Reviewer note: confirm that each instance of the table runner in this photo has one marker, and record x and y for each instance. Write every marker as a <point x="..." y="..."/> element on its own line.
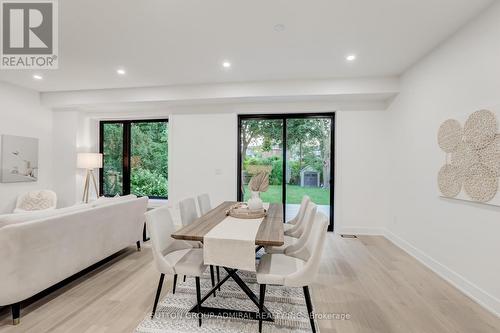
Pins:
<point x="232" y="243"/>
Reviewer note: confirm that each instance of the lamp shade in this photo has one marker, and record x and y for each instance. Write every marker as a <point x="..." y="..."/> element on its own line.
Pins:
<point x="89" y="161"/>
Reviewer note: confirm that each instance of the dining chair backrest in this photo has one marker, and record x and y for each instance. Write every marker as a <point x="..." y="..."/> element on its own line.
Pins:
<point x="302" y="210"/>
<point x="299" y="249"/>
<point x="204" y="203"/>
<point x="188" y="211"/>
<point x="300" y="227"/>
<point x="160" y="226"/>
<point x="307" y="274"/>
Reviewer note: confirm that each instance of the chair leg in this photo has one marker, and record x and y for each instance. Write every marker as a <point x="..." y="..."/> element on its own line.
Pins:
<point x="198" y="299"/>
<point x="307" y="296"/>
<point x="175" y="283"/>
<point x="261" y="305"/>
<point x="158" y="292"/>
<point x="138" y="243"/>
<point x="212" y="277"/>
<point x="16" y="313"/>
<point x="218" y="276"/>
<point x="184" y="278"/>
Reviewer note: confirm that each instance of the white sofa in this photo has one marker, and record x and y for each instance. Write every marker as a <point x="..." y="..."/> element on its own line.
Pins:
<point x="38" y="254"/>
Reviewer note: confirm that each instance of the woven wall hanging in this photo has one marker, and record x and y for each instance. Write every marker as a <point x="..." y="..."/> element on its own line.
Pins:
<point x="472" y="160"/>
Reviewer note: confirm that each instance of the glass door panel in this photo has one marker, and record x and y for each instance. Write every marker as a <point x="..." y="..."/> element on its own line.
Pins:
<point x="308" y="158"/>
<point x="261" y="149"/>
<point x="149" y="159"/>
<point x="112" y="142"/>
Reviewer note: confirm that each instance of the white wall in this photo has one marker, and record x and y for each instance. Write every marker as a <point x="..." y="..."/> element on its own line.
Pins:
<point x="457" y="239"/>
<point x="22" y="115"/>
<point x="202" y="156"/>
<point x="362" y="162"/>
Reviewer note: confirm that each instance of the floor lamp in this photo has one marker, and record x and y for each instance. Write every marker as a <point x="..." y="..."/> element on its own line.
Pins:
<point x="89" y="162"/>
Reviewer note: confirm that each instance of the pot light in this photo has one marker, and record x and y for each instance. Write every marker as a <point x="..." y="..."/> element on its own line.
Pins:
<point x="121" y="71"/>
<point x="350" y="57"/>
<point x="37" y="77"/>
<point x="226" y="64"/>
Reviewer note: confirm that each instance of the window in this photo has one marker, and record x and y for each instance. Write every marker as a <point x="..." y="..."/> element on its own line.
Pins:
<point x="135" y="158"/>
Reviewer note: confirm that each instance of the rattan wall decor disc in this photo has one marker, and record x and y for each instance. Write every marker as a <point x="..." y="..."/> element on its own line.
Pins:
<point x="449" y="181"/>
<point x="449" y="135"/>
<point x="490" y="156"/>
<point x="464" y="157"/>
<point x="480" y="129"/>
<point x="481" y="183"/>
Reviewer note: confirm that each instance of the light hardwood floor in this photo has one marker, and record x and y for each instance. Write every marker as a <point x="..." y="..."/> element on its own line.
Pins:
<point x="380" y="287"/>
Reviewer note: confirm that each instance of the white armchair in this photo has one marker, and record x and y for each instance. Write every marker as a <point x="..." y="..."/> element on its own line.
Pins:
<point x="284" y="270"/>
<point x="35" y="201"/>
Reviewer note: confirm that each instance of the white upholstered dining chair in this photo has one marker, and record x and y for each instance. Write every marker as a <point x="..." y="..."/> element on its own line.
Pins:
<point x="297" y="229"/>
<point x="188" y="215"/>
<point x="291" y="242"/>
<point x="172" y="256"/>
<point x="204" y="203"/>
<point x="303" y="204"/>
<point x="284" y="270"/>
<point x="205" y="206"/>
<point x="188" y="211"/>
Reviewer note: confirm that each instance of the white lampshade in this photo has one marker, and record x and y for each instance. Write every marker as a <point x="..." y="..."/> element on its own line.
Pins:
<point x="89" y="160"/>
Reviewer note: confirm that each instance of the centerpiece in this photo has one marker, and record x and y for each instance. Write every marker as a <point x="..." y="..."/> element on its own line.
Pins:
<point x="254" y="208"/>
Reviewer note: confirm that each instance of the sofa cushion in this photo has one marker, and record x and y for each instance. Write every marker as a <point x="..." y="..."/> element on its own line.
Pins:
<point x="111" y="200"/>
<point x="7" y="219"/>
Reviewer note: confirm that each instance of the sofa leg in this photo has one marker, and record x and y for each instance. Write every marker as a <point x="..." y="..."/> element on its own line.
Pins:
<point x="138" y="243"/>
<point x="16" y="313"/>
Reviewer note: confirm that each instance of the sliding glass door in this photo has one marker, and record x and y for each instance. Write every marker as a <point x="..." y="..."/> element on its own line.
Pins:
<point x="308" y="163"/>
<point x="262" y="150"/>
<point x="305" y="167"/>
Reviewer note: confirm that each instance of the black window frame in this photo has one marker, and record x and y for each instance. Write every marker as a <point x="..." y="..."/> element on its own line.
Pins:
<point x="127" y="144"/>
<point x="284" y="117"/>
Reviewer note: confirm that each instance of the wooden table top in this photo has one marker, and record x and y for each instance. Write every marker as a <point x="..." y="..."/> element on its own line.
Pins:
<point x="270" y="233"/>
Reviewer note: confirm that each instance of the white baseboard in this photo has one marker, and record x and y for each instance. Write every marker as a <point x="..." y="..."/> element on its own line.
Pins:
<point x="477" y="294"/>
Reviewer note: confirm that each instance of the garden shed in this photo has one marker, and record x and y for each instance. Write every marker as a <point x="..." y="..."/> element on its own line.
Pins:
<point x="309" y="177"/>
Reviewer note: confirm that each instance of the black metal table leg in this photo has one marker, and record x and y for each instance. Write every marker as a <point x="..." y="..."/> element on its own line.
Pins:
<point x="231" y="313"/>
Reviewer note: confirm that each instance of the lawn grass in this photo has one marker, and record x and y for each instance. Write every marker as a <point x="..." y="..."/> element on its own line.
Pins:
<point x="318" y="195"/>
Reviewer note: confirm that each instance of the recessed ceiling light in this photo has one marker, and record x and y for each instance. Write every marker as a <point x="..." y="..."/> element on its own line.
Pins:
<point x="350" y="57"/>
<point x="121" y="71"/>
<point x="226" y="64"/>
<point x="279" y="27"/>
<point x="37" y="77"/>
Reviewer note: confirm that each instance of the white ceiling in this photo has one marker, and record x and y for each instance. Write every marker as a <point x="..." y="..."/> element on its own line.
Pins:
<point x="168" y="42"/>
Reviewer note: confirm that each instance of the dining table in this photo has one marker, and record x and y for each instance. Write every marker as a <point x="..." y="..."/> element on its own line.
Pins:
<point x="270" y="233"/>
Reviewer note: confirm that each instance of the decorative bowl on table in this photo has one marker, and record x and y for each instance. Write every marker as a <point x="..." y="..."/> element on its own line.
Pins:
<point x="241" y="211"/>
